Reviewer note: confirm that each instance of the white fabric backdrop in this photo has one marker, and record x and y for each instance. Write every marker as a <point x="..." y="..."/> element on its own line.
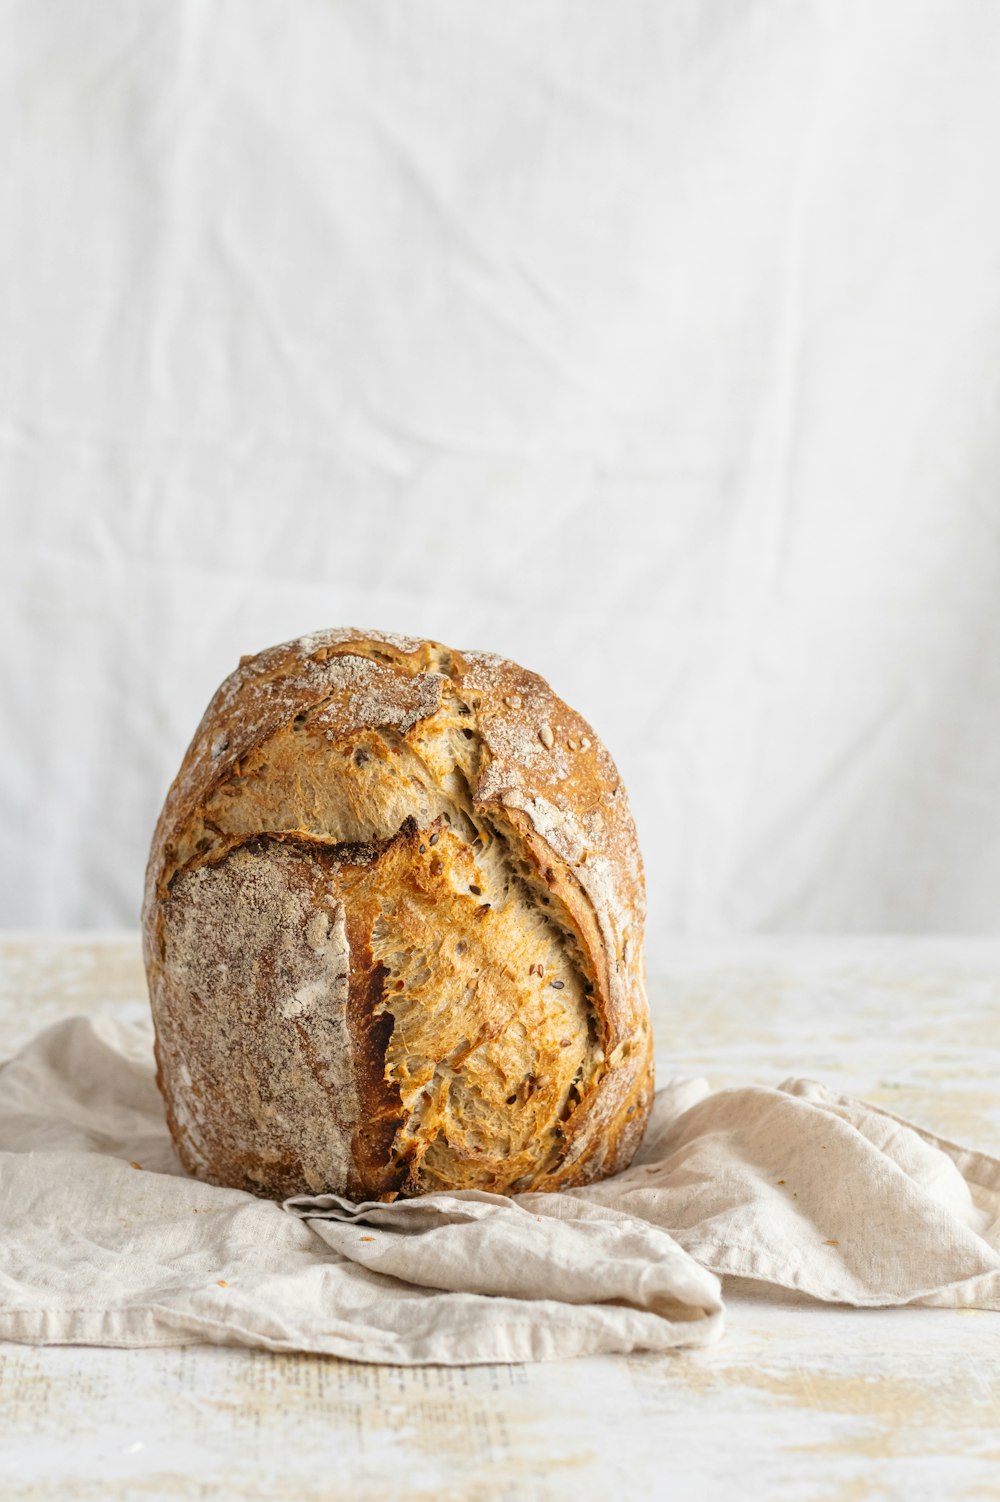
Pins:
<point x="655" y="345"/>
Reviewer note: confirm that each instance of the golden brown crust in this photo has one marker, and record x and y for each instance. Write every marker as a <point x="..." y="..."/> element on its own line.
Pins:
<point x="438" y="841"/>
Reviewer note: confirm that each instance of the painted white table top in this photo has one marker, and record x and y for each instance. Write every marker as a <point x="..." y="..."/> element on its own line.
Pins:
<point x="798" y="1401"/>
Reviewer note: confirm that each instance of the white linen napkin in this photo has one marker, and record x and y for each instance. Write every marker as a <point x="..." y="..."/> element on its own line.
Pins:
<point x="105" y="1240"/>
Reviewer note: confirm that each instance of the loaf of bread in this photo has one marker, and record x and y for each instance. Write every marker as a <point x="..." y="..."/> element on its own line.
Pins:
<point x="393" y="930"/>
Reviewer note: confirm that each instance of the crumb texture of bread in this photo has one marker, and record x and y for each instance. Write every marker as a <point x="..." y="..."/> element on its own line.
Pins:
<point x="393" y="930"/>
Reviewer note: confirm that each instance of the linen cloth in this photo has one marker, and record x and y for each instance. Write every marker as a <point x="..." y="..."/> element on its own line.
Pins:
<point x="105" y="1240"/>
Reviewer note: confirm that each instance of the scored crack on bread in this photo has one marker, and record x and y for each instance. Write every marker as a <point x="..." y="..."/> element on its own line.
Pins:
<point x="393" y="930"/>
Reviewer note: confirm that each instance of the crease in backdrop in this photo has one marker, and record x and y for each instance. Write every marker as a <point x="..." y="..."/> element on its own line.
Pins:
<point x="654" y="346"/>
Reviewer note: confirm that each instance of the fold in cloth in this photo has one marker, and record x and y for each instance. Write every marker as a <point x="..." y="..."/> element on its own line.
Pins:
<point x="105" y="1240"/>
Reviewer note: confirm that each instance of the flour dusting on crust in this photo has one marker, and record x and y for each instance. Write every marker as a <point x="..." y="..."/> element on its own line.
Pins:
<point x="230" y="930"/>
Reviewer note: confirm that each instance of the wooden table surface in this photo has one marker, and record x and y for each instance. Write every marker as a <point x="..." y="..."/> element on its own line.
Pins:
<point x="797" y="1401"/>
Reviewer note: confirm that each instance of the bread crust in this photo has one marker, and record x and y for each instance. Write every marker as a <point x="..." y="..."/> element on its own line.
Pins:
<point x="392" y="928"/>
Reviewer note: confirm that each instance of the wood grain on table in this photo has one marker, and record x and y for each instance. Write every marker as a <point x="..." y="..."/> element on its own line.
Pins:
<point x="799" y="1400"/>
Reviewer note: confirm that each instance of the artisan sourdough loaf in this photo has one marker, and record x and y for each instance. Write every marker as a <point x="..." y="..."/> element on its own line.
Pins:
<point x="393" y="930"/>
